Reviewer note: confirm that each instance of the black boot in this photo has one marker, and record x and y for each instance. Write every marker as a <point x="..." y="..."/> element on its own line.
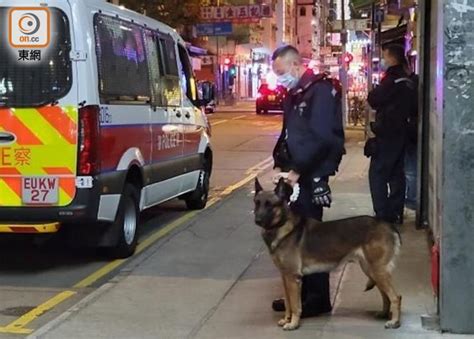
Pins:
<point x="315" y="296"/>
<point x="278" y="305"/>
<point x="313" y="308"/>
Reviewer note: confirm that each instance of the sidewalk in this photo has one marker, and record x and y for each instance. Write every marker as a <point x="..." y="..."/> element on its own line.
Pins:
<point x="214" y="279"/>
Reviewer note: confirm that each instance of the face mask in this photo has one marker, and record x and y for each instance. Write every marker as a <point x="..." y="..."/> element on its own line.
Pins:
<point x="383" y="65"/>
<point x="288" y="80"/>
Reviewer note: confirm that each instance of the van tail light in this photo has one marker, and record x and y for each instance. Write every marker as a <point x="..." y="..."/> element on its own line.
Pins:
<point x="89" y="157"/>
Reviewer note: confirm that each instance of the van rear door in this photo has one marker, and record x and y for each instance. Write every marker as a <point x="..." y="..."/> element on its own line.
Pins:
<point x="38" y="105"/>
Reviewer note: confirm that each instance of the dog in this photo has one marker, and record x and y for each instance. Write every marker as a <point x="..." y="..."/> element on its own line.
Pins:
<point x="300" y="246"/>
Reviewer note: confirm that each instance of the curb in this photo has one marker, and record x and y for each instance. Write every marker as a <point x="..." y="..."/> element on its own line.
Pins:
<point x="56" y="322"/>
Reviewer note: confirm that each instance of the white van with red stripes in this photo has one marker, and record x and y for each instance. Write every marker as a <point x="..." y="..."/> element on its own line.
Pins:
<point x="99" y="120"/>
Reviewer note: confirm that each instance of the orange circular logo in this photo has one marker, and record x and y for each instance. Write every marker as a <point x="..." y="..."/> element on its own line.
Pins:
<point x="29" y="24"/>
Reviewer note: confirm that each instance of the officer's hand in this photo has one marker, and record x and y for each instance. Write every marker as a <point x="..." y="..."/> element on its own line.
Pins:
<point x="321" y="193"/>
<point x="293" y="178"/>
<point x="276" y="175"/>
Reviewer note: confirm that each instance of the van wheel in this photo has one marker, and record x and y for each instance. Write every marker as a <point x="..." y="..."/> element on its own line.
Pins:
<point x="197" y="199"/>
<point x="126" y="224"/>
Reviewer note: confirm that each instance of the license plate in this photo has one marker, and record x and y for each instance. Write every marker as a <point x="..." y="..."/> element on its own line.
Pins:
<point x="271" y="98"/>
<point x="40" y="190"/>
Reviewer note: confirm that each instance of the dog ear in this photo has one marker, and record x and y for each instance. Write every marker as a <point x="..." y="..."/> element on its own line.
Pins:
<point x="283" y="190"/>
<point x="258" y="187"/>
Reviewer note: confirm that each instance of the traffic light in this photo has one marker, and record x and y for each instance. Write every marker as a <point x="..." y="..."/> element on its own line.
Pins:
<point x="232" y="74"/>
<point x="232" y="70"/>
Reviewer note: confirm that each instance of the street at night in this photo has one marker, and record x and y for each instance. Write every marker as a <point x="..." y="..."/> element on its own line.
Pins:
<point x="204" y="275"/>
<point x="236" y="169"/>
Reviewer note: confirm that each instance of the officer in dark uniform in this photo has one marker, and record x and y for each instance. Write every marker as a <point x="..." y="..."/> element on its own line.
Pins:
<point x="310" y="149"/>
<point x="395" y="100"/>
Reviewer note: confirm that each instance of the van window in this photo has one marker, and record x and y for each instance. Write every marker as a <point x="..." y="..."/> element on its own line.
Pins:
<point x="35" y="77"/>
<point x="169" y="52"/>
<point x="122" y="63"/>
<point x="189" y="85"/>
<point x="171" y="90"/>
<point x="155" y="67"/>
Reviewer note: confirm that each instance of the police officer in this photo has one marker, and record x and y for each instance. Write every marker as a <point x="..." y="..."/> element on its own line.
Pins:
<point x="310" y="149"/>
<point x="395" y="100"/>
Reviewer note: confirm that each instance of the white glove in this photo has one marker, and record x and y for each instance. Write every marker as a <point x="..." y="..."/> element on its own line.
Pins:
<point x="296" y="193"/>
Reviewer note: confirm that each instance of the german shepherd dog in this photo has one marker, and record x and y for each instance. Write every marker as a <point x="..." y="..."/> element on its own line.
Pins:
<point x="300" y="246"/>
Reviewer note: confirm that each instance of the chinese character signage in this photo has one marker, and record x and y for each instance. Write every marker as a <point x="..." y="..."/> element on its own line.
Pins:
<point x="230" y="12"/>
<point x="254" y="11"/>
<point x="29" y="55"/>
<point x="243" y="12"/>
<point x="266" y="11"/>
<point x="207" y="13"/>
<point x="219" y="13"/>
<point x="239" y="14"/>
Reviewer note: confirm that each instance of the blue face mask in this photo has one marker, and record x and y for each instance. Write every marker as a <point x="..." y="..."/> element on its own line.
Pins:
<point x="383" y="65"/>
<point x="288" y="80"/>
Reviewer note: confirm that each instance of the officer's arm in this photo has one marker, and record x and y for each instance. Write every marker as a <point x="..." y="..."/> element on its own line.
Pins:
<point x="382" y="94"/>
<point x="321" y="124"/>
<point x="277" y="156"/>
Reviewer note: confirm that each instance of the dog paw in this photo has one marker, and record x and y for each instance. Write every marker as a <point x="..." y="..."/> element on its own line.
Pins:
<point x="290" y="326"/>
<point x="283" y="321"/>
<point x="392" y="324"/>
<point x="382" y="315"/>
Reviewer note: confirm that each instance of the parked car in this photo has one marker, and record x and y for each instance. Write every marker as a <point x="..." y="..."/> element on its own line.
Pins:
<point x="108" y="123"/>
<point x="270" y="99"/>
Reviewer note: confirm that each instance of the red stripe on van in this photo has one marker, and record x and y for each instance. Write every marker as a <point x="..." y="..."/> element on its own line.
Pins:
<point x="10" y="123"/>
<point x="61" y="122"/>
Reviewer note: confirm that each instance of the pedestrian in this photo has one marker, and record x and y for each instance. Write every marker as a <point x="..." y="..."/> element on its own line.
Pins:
<point x="394" y="100"/>
<point x="309" y="149"/>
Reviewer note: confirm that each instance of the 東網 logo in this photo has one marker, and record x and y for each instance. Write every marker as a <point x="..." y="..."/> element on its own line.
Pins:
<point x="29" y="27"/>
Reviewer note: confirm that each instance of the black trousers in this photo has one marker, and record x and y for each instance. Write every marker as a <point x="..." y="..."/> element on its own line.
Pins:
<point x="315" y="288"/>
<point x="388" y="184"/>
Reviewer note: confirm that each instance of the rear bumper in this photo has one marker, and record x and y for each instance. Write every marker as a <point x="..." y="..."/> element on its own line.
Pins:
<point x="30" y="228"/>
<point x="83" y="209"/>
<point x="269" y="106"/>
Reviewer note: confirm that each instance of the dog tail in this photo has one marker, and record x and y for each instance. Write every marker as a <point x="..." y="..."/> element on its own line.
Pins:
<point x="370" y="285"/>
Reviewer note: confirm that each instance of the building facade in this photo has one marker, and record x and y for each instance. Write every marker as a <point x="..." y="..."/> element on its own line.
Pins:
<point x="304" y="29"/>
<point x="285" y="22"/>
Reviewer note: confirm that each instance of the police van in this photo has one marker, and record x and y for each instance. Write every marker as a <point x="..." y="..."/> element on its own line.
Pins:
<point x="99" y="120"/>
